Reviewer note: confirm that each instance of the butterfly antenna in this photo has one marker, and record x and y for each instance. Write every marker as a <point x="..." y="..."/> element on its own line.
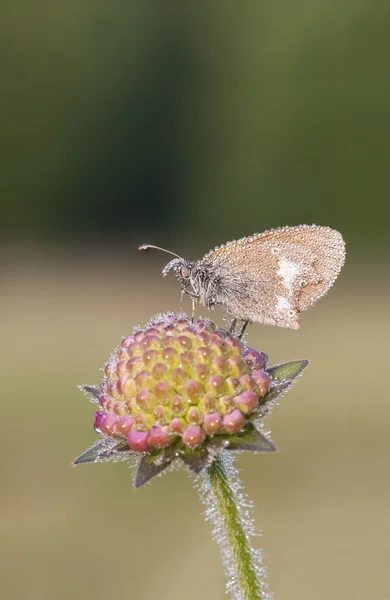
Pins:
<point x="146" y="246"/>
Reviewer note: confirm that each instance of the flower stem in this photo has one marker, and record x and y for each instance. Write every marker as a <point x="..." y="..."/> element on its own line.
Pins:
<point x="233" y="528"/>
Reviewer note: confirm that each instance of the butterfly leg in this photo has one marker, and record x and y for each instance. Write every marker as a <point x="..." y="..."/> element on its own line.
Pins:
<point x="232" y="326"/>
<point x="194" y="298"/>
<point x="242" y="330"/>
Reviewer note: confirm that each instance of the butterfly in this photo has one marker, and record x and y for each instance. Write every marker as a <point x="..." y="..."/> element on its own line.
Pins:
<point x="268" y="277"/>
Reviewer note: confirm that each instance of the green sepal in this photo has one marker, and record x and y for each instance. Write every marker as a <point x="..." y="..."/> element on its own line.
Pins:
<point x="282" y="377"/>
<point x="275" y="390"/>
<point x="155" y="462"/>
<point x="287" y="371"/>
<point x="195" y="458"/>
<point x="91" y="390"/>
<point x="247" y="439"/>
<point x="103" y="450"/>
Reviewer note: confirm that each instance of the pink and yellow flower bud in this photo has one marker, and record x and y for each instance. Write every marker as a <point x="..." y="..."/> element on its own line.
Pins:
<point x="180" y="382"/>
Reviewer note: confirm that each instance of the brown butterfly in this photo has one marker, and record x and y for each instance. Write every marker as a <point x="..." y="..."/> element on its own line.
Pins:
<point x="268" y="277"/>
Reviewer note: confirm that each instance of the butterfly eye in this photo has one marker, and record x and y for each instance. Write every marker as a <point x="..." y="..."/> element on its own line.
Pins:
<point x="185" y="272"/>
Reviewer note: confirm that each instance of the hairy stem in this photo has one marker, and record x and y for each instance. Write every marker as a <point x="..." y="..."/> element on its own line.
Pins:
<point x="231" y="515"/>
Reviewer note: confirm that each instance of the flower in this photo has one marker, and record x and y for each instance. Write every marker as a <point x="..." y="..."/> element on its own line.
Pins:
<point x="183" y="390"/>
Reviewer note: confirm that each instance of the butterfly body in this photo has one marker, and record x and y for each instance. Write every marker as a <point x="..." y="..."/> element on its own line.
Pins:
<point x="268" y="277"/>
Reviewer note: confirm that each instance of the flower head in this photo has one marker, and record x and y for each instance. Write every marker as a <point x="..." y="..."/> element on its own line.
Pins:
<point x="182" y="389"/>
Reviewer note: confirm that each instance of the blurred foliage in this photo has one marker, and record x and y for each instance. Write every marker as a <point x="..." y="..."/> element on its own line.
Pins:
<point x="135" y="118"/>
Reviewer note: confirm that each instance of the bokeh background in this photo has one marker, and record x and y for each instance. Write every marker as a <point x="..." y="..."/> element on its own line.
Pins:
<point x="186" y="124"/>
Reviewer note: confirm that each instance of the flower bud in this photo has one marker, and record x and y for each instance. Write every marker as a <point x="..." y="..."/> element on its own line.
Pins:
<point x="179" y="382"/>
<point x="193" y="436"/>
<point x="138" y="440"/>
<point x="263" y="381"/>
<point x="183" y="389"/>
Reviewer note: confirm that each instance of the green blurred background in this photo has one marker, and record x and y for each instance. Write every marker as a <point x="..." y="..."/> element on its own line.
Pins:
<point x="187" y="124"/>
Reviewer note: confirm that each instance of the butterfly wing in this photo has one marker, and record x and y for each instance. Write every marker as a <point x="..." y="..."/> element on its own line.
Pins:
<point x="272" y="276"/>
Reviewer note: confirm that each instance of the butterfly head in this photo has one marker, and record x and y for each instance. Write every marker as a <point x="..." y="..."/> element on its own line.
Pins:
<point x="182" y="268"/>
